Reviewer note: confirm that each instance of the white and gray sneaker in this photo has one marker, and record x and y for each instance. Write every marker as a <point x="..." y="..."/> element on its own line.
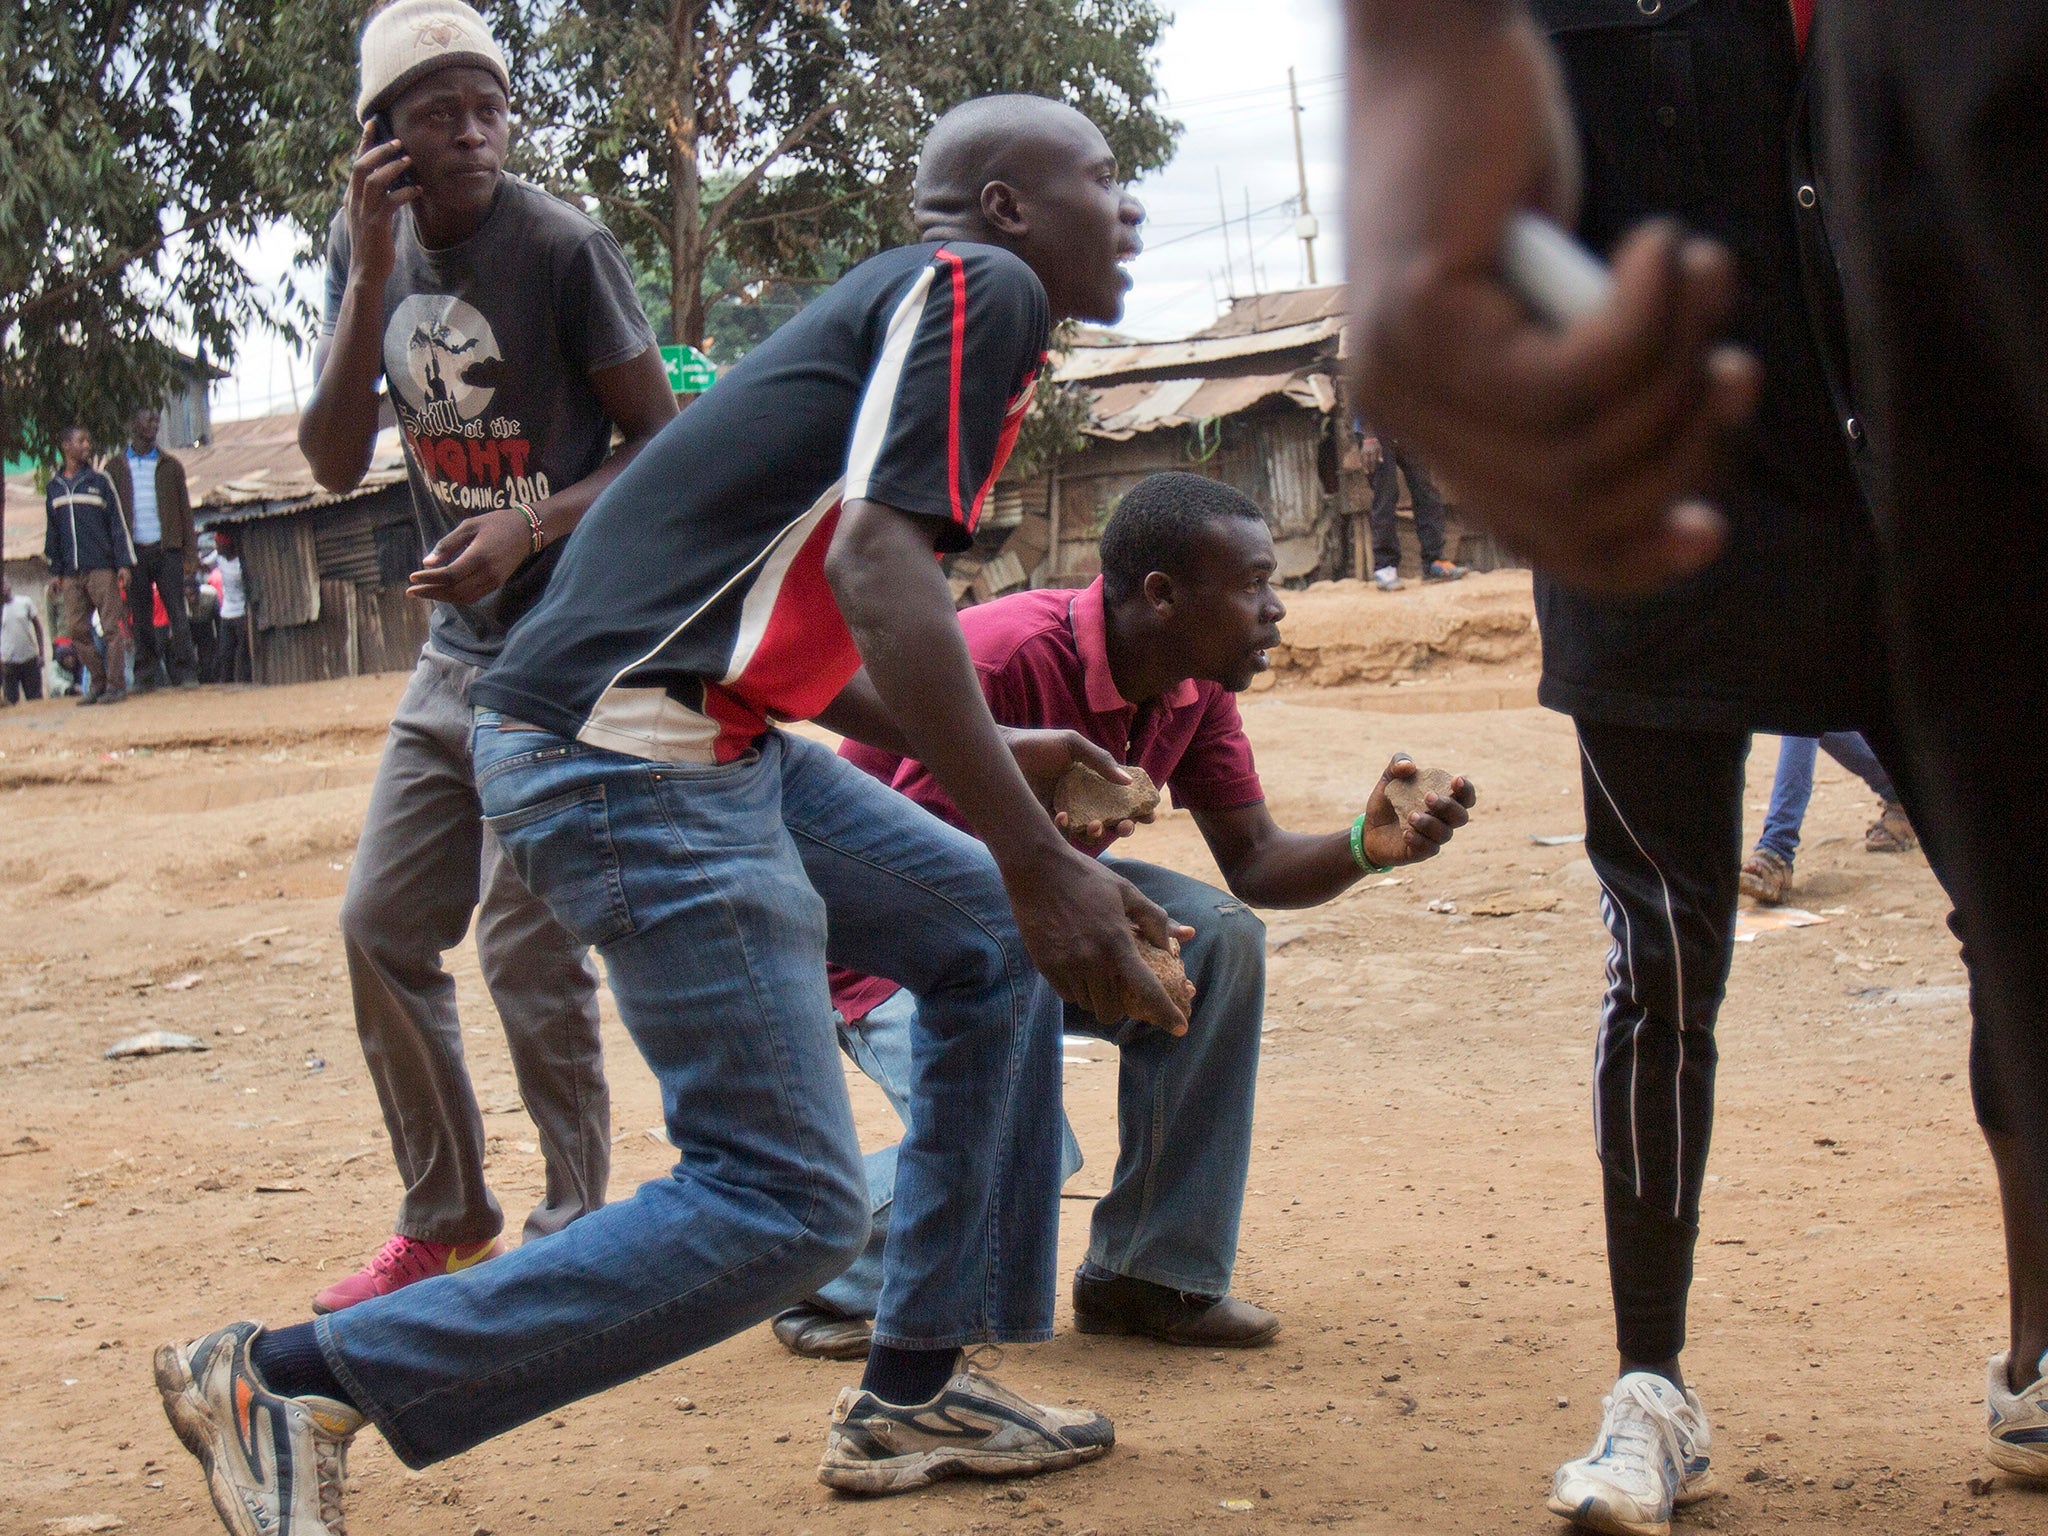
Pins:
<point x="274" y="1465"/>
<point x="2019" y="1421"/>
<point x="1654" y="1451"/>
<point x="975" y="1427"/>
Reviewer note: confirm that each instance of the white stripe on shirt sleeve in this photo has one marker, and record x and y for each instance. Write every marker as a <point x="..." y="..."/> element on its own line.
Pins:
<point x="878" y="402"/>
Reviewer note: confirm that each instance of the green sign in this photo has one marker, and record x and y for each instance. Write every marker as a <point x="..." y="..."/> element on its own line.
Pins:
<point x="690" y="372"/>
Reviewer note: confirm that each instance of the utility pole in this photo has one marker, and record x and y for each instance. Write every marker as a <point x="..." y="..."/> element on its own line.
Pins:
<point x="1305" y="227"/>
<point x="1250" y="260"/>
<point x="1223" y="216"/>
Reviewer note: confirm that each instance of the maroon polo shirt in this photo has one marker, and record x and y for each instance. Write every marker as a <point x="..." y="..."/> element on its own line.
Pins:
<point x="1043" y="661"/>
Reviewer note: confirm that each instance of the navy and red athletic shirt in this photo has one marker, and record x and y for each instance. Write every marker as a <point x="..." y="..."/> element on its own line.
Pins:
<point x="690" y="606"/>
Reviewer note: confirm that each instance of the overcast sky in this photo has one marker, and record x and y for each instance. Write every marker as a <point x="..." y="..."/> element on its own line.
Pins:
<point x="1223" y="69"/>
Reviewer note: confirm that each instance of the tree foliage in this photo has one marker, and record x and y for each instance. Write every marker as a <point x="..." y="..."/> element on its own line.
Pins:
<point x="746" y="151"/>
<point x="126" y="185"/>
<point x="772" y="141"/>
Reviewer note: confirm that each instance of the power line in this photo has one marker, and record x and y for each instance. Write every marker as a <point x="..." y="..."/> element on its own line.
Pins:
<point x="1256" y="90"/>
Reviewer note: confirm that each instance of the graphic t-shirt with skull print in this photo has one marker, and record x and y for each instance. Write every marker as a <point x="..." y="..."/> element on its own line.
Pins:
<point x="488" y="350"/>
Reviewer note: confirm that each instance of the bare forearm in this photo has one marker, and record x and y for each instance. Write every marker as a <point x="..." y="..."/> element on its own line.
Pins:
<point x="1290" y="869"/>
<point x="338" y="432"/>
<point x="859" y="714"/>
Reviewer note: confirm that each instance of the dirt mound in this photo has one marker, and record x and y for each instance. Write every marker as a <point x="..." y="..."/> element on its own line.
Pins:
<point x="1339" y="632"/>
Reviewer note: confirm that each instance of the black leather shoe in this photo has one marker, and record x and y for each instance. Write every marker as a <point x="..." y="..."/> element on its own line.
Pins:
<point x="1118" y="1304"/>
<point x="820" y="1335"/>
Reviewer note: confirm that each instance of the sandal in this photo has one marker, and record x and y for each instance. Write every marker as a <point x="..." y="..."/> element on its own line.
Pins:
<point x="1892" y="832"/>
<point x="1766" y="877"/>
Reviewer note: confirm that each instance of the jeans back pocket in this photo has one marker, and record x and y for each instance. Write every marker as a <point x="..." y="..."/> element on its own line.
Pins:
<point x="562" y="848"/>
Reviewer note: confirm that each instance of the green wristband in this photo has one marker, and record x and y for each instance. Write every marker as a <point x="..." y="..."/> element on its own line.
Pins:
<point x="1358" y="850"/>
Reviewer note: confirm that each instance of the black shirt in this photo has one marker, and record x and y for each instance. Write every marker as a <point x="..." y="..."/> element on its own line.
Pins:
<point x="489" y="345"/>
<point x="1698" y="108"/>
<point x="690" y="606"/>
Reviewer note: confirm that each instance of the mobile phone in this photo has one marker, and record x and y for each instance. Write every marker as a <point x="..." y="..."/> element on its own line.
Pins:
<point x="381" y="121"/>
<point x="1552" y="273"/>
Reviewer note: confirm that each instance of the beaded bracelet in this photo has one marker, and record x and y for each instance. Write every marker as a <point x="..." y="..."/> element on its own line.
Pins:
<point x="533" y="528"/>
<point x="1358" y="850"/>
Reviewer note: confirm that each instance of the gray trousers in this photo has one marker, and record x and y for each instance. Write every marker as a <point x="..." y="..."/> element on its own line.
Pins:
<point x="424" y="864"/>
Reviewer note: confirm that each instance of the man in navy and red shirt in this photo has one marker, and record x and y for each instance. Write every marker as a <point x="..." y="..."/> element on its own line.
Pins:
<point x="764" y="546"/>
<point x="1146" y="663"/>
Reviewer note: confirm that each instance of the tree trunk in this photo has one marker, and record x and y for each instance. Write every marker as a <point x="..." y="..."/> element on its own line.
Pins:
<point x="686" y="199"/>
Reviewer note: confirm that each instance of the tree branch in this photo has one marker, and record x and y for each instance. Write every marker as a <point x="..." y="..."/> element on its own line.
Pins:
<point x="746" y="184"/>
<point x="640" y="212"/>
<point x="114" y="263"/>
<point x="800" y="213"/>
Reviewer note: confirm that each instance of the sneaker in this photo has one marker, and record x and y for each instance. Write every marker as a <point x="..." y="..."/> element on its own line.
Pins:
<point x="1445" y="570"/>
<point x="1766" y="877"/>
<point x="1388" y="579"/>
<point x="975" y="1426"/>
<point x="2019" y="1421"/>
<point x="817" y="1334"/>
<point x="1652" y="1453"/>
<point x="1892" y="832"/>
<point x="402" y="1262"/>
<point x="274" y="1465"/>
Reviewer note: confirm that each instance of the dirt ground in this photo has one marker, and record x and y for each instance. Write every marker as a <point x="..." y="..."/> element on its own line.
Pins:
<point x="1422" y="1211"/>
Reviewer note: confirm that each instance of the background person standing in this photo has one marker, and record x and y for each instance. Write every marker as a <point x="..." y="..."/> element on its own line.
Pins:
<point x="150" y="486"/>
<point x="1382" y="458"/>
<point x="23" y="648"/>
<point x="232" y="649"/>
<point x="1767" y="872"/>
<point x="87" y="547"/>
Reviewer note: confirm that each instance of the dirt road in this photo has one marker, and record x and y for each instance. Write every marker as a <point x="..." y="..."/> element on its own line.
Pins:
<point x="1423" y="1207"/>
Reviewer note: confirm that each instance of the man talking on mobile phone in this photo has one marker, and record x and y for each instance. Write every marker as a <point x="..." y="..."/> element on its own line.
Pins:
<point x="505" y="326"/>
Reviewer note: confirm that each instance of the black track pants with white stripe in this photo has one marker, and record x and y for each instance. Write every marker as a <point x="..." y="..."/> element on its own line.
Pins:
<point x="1664" y="834"/>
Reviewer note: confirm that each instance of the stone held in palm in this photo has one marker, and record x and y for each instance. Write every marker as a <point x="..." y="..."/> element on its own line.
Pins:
<point x="1407" y="796"/>
<point x="1165" y="964"/>
<point x="1085" y="796"/>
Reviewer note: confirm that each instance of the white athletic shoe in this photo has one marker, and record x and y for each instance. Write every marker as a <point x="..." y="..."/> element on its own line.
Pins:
<point x="1654" y="1451"/>
<point x="2019" y="1422"/>
<point x="274" y="1465"/>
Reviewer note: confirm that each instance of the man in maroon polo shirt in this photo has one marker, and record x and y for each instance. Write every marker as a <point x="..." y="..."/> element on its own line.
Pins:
<point x="1146" y="663"/>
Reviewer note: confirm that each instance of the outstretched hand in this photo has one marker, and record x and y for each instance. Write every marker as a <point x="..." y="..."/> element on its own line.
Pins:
<point x="1389" y="839"/>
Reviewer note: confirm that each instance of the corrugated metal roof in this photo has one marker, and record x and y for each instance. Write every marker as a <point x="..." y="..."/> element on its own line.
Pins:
<point x="1124" y="410"/>
<point x="1192" y="355"/>
<point x="1276" y="311"/>
<point x="258" y="460"/>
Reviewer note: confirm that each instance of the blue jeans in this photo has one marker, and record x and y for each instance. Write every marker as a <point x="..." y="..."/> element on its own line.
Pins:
<point x="1793" y="786"/>
<point x="1184" y="1108"/>
<point x="708" y="890"/>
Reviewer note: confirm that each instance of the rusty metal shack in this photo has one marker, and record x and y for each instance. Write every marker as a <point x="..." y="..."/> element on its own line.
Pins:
<point x="326" y="572"/>
<point x="1255" y="400"/>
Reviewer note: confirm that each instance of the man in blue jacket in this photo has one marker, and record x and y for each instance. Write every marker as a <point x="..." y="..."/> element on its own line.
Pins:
<point x="88" y="547"/>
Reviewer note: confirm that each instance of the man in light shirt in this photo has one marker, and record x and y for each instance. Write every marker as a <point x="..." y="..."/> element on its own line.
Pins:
<point x="150" y="485"/>
<point x="23" y="648"/>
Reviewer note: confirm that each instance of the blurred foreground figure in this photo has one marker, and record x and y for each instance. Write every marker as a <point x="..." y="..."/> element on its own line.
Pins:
<point x="1585" y="447"/>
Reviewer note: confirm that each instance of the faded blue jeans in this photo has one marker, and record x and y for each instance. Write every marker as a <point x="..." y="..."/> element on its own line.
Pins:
<point x="1184" y="1108"/>
<point x="1793" y="786"/>
<point x="709" y="891"/>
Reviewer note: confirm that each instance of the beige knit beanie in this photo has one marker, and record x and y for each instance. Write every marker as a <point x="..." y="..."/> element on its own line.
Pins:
<point x="410" y="39"/>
